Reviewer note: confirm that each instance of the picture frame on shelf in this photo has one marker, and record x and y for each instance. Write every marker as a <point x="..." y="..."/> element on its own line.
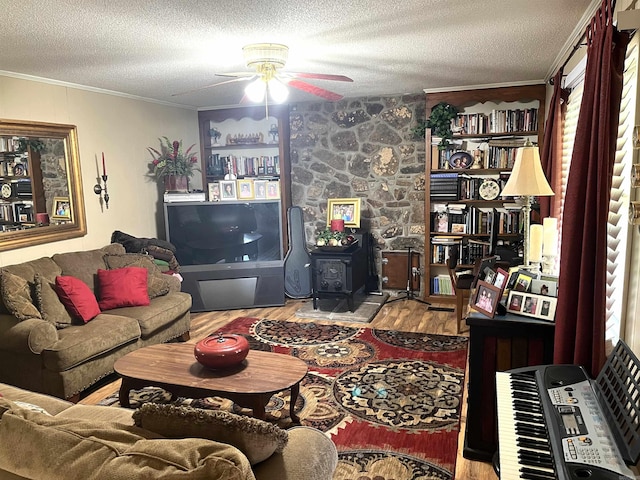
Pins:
<point x="458" y="228"/>
<point x="214" y="191"/>
<point x="245" y="189"/>
<point x="531" y="305"/>
<point x="260" y="189"/>
<point x="523" y="282"/>
<point x="228" y="190"/>
<point x="486" y="298"/>
<point x="460" y="160"/>
<point x="442" y="222"/>
<point x="545" y="286"/>
<point x="61" y="208"/>
<point x="347" y="209"/>
<point x="501" y="278"/>
<point x="273" y="190"/>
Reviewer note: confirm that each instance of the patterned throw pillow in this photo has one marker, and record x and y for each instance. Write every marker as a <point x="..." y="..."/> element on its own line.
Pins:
<point x="16" y="295"/>
<point x="49" y="304"/>
<point x="257" y="439"/>
<point x="157" y="282"/>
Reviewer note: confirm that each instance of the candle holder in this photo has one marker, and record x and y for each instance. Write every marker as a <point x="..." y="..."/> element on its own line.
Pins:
<point x="549" y="264"/>
<point x="101" y="190"/>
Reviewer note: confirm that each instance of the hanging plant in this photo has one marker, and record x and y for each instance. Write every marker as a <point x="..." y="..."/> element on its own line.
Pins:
<point x="439" y="122"/>
<point x="35" y="144"/>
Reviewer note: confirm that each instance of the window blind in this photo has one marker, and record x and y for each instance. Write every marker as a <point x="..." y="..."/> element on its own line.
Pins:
<point x="617" y="229"/>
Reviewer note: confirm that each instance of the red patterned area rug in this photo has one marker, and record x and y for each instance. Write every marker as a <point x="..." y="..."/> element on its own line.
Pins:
<point x="389" y="400"/>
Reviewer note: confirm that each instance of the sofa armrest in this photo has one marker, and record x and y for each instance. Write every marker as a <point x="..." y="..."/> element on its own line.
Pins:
<point x="309" y="454"/>
<point x="175" y="285"/>
<point x="32" y="335"/>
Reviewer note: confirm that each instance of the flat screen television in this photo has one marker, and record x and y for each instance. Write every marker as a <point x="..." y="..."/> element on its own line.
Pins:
<point x="209" y="233"/>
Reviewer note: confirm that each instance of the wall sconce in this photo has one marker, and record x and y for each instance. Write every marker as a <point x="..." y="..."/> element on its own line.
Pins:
<point x="100" y="189"/>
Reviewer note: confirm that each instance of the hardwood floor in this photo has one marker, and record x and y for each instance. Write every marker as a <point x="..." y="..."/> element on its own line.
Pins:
<point x="403" y="315"/>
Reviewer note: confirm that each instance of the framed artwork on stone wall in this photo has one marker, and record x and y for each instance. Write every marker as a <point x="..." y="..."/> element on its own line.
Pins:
<point x="347" y="209"/>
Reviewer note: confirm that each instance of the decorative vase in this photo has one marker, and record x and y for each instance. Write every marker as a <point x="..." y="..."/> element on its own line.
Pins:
<point x="176" y="184"/>
<point x="221" y="351"/>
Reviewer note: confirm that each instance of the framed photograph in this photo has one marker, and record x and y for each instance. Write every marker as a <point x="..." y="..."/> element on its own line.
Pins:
<point x="347" y="209"/>
<point x="228" y="190"/>
<point x="442" y="222"/>
<point x="19" y="170"/>
<point x="214" y="192"/>
<point x="273" y="189"/>
<point x="486" y="298"/>
<point x="260" y="189"/>
<point x="546" y="287"/>
<point x="523" y="282"/>
<point x="460" y="160"/>
<point x="245" y="189"/>
<point x="61" y="208"/>
<point x="458" y="228"/>
<point x="500" y="278"/>
<point x="486" y="266"/>
<point x="532" y="305"/>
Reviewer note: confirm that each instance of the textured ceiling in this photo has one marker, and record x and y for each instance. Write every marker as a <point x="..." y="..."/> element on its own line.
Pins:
<point x="157" y="48"/>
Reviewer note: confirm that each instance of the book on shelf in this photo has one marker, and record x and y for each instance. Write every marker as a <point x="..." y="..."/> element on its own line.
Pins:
<point x="442" y="285"/>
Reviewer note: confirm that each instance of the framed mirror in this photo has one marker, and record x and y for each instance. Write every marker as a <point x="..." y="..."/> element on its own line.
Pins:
<point x="41" y="198"/>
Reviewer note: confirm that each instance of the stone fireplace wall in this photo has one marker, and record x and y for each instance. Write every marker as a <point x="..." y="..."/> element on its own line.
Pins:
<point x="362" y="147"/>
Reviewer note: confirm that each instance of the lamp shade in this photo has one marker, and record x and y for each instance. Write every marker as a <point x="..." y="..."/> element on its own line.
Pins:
<point x="527" y="177"/>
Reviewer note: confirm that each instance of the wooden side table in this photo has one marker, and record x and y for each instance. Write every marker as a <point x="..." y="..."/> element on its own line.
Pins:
<point x="496" y="345"/>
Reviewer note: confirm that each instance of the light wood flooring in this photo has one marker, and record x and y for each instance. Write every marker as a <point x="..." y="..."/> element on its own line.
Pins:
<point x="406" y="315"/>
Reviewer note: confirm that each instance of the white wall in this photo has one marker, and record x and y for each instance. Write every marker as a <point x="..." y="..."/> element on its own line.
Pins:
<point x="120" y="127"/>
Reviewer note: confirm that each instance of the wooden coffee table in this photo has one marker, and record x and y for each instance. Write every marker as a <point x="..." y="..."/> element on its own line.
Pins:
<point x="173" y="367"/>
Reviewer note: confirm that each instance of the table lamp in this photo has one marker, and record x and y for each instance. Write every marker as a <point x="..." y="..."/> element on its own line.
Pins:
<point x="527" y="180"/>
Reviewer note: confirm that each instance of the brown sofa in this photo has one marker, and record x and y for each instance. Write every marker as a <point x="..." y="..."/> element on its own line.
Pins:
<point x="44" y="350"/>
<point x="65" y="441"/>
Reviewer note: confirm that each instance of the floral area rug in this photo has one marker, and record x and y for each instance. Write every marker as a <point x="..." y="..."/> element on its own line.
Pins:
<point x="389" y="400"/>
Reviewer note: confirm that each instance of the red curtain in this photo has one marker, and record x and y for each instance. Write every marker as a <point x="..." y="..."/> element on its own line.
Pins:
<point x="551" y="153"/>
<point x="580" y="313"/>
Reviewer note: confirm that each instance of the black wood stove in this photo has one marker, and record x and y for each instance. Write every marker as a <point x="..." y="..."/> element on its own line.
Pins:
<point x="338" y="272"/>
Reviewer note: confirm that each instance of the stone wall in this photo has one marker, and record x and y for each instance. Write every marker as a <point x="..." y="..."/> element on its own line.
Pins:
<point x="362" y="147"/>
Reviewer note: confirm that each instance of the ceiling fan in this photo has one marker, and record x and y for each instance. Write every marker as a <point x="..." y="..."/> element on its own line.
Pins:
<point x="269" y="81"/>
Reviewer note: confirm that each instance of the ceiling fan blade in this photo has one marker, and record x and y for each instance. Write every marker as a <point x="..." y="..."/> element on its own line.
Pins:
<point x="235" y="74"/>
<point x="319" y="92"/>
<point x="243" y="79"/>
<point x="320" y="76"/>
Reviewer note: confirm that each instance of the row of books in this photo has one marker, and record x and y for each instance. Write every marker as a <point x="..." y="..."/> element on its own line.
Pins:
<point x="242" y="166"/>
<point x="468" y="249"/>
<point x="442" y="285"/>
<point x="498" y="121"/>
<point x="477" y="220"/>
<point x="469" y="186"/>
<point x="500" y="153"/>
<point x="16" y="212"/>
<point x="17" y="169"/>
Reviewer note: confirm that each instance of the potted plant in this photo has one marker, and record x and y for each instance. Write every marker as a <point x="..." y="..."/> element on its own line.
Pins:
<point x="171" y="166"/>
<point x="439" y="122"/>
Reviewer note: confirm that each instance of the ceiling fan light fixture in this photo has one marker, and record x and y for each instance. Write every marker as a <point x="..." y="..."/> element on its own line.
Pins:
<point x="255" y="90"/>
<point x="277" y="90"/>
<point x="259" y="53"/>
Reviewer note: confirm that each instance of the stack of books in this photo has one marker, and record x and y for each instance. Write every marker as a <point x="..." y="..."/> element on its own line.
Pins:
<point x="444" y="186"/>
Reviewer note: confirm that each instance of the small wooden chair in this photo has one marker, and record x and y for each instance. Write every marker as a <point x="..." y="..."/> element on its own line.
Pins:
<point x="462" y="281"/>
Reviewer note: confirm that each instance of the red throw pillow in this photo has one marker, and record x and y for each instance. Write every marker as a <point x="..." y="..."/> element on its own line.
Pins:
<point x="77" y="298"/>
<point x="123" y="287"/>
